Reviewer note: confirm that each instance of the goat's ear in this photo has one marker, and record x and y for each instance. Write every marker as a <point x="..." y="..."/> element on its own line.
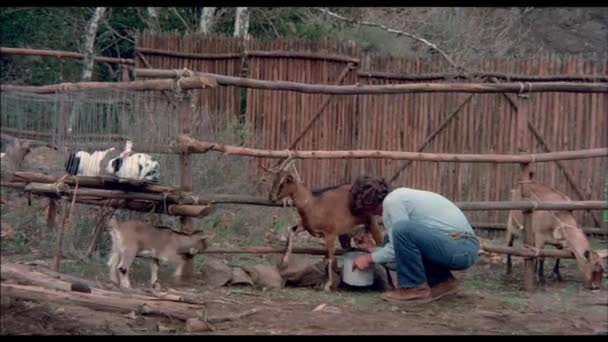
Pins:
<point x="289" y="178"/>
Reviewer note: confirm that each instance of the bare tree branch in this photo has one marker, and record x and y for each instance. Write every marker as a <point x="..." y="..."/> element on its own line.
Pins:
<point x="181" y="18"/>
<point x="398" y="32"/>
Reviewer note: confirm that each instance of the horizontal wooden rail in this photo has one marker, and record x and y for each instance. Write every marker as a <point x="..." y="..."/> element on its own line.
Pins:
<point x="62" y="54"/>
<point x="512" y="87"/>
<point x="197" y="146"/>
<point x="501" y="76"/>
<point x="485" y="246"/>
<point x="195" y="82"/>
<point x="15" y="131"/>
<point x="92" y="146"/>
<point x="503" y="227"/>
<point x="176" y="196"/>
<point x="253" y="53"/>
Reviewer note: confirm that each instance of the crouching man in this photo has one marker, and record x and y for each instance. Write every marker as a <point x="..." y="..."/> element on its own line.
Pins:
<point x="428" y="236"/>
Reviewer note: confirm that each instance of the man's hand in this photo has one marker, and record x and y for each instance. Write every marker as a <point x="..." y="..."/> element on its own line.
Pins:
<point x="362" y="262"/>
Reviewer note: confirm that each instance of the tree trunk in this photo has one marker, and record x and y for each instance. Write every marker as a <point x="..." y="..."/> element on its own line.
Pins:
<point x="89" y="43"/>
<point x="205" y="23"/>
<point x="241" y="23"/>
<point x="153" y="21"/>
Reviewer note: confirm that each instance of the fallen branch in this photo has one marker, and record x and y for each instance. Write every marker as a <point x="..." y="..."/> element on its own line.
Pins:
<point x="181" y="311"/>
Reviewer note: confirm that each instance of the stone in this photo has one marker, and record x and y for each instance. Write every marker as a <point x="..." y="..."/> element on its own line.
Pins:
<point x="216" y="273"/>
<point x="265" y="276"/>
<point x="239" y="277"/>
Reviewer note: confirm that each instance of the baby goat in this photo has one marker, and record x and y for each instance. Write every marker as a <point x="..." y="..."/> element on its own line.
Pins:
<point x="559" y="228"/>
<point x="324" y="213"/>
<point x="131" y="239"/>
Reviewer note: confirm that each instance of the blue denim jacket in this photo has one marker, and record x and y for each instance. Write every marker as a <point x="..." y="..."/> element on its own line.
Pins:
<point x="424" y="207"/>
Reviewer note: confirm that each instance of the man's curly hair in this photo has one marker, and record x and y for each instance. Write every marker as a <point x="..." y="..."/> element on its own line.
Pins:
<point x="367" y="193"/>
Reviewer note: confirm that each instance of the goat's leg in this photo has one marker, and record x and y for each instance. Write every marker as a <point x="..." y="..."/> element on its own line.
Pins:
<point x="128" y="256"/>
<point x="556" y="273"/>
<point x="539" y="243"/>
<point x="330" y="244"/>
<point x="510" y="239"/>
<point x="154" y="266"/>
<point x="113" y="264"/>
<point x="288" y="246"/>
<point x="540" y="262"/>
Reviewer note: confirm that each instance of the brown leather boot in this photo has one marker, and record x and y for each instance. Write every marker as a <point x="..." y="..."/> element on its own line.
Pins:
<point x="445" y="288"/>
<point x="403" y="294"/>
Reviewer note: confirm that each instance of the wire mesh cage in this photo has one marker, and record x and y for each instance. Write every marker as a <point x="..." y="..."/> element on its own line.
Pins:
<point x="93" y="121"/>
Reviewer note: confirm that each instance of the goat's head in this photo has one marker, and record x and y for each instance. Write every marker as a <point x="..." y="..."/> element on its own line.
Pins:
<point x="285" y="180"/>
<point x="198" y="243"/>
<point x="593" y="267"/>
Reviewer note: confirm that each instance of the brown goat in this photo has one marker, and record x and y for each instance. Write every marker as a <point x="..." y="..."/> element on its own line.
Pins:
<point x="324" y="214"/>
<point x="131" y="239"/>
<point x="558" y="228"/>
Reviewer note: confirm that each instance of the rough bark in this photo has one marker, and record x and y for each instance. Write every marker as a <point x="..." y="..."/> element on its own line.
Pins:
<point x="89" y="43"/>
<point x="206" y="20"/>
<point x="241" y="23"/>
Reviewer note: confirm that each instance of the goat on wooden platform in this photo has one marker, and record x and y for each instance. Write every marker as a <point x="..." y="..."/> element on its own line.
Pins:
<point x="131" y="239"/>
<point x="558" y="228"/>
<point x="324" y="213"/>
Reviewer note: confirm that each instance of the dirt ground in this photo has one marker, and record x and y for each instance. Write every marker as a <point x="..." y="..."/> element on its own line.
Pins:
<point x="489" y="303"/>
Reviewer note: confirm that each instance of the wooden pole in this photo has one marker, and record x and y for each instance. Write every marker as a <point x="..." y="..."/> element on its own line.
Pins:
<point x="485" y="246"/>
<point x="496" y="75"/>
<point x="196" y="82"/>
<point x="62" y="54"/>
<point x="511" y="87"/>
<point x="61" y="230"/>
<point x="522" y="147"/>
<point x="197" y="146"/>
<point x="51" y="214"/>
<point x="185" y="180"/>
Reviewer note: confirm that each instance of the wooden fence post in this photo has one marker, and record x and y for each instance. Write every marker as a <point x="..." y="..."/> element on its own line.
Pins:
<point x="185" y="180"/>
<point x="522" y="146"/>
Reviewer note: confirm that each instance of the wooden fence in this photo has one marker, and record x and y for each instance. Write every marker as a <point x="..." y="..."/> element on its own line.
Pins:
<point x="438" y="122"/>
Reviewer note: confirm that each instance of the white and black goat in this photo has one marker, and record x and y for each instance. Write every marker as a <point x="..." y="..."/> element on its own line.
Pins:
<point x="133" y="165"/>
<point x="110" y="162"/>
<point x="83" y="163"/>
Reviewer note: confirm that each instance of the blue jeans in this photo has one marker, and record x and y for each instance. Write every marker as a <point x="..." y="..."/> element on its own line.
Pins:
<point x="427" y="255"/>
